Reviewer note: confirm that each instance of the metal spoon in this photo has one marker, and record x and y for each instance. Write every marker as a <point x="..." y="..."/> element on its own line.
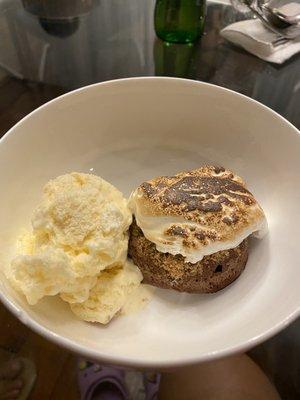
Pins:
<point x="280" y="19"/>
<point x="288" y="32"/>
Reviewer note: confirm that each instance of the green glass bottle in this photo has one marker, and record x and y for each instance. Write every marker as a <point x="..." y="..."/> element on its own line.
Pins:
<point x="179" y="21"/>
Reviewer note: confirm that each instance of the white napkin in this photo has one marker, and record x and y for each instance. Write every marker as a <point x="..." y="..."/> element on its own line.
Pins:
<point x="254" y="37"/>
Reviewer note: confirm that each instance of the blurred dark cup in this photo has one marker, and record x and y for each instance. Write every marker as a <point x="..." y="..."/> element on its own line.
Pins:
<point x="57" y="9"/>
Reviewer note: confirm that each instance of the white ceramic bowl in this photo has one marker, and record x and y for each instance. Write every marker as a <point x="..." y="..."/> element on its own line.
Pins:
<point x="131" y="130"/>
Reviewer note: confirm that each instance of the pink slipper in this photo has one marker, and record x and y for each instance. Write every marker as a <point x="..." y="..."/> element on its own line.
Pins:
<point x="99" y="382"/>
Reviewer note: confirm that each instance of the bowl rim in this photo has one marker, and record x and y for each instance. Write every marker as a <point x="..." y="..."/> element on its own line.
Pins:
<point x="128" y="361"/>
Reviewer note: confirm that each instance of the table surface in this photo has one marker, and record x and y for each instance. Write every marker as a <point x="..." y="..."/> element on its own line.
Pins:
<point x="111" y="39"/>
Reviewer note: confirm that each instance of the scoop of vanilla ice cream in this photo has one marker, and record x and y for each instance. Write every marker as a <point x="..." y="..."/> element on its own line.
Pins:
<point x="88" y="218"/>
<point x="79" y="229"/>
<point x="48" y="273"/>
<point x="110" y="293"/>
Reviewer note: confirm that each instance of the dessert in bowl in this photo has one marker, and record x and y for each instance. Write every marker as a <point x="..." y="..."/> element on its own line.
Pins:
<point x="130" y="131"/>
